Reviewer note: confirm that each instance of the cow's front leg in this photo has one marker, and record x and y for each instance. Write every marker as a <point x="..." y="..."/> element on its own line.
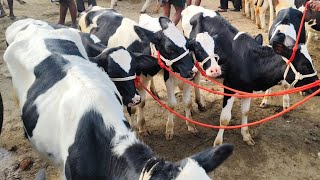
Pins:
<point x="113" y="4"/>
<point x="199" y="100"/>
<point x="224" y="117"/>
<point x="153" y="88"/>
<point x="286" y="97"/>
<point x="172" y="102"/>
<point x="187" y="101"/>
<point x="145" y="6"/>
<point x="246" y="8"/>
<point x="140" y="109"/>
<point x="245" y="107"/>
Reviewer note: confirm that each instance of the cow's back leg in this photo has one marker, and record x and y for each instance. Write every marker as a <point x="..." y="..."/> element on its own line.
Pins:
<point x="172" y="102"/>
<point x="225" y="116"/>
<point x="246" y="8"/>
<point x="187" y="101"/>
<point x="252" y="6"/>
<point x="245" y="107"/>
<point x="262" y="14"/>
<point x="256" y="13"/>
<point x="265" y="100"/>
<point x="199" y="100"/>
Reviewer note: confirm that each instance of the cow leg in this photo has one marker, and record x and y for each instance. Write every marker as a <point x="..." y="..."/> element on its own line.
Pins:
<point x="257" y="8"/>
<point x="172" y="102"/>
<point x="199" y="100"/>
<point x="140" y="112"/>
<point x="145" y="6"/>
<point x="309" y="39"/>
<point x="133" y="119"/>
<point x="286" y="98"/>
<point x="262" y="14"/>
<point x="153" y="88"/>
<point x="225" y="117"/>
<point x="245" y="107"/>
<point x="265" y="99"/>
<point x="187" y="101"/>
<point x="113" y="4"/>
<point x="252" y="9"/>
<point x="246" y="8"/>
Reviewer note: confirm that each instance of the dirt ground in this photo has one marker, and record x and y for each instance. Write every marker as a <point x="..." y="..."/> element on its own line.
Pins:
<point x="286" y="148"/>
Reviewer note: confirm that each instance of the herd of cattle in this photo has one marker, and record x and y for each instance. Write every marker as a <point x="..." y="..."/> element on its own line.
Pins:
<point x="78" y="82"/>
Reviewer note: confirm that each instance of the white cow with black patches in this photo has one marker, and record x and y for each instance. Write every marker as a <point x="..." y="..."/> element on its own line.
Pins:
<point x="120" y="64"/>
<point x="89" y="136"/>
<point x="249" y="66"/>
<point x="113" y="29"/>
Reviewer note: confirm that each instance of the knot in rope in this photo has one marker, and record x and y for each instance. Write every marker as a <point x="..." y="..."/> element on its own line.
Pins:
<point x="136" y="82"/>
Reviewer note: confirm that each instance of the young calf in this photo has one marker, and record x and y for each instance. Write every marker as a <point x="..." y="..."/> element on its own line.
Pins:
<point x="120" y="64"/>
<point x="249" y="66"/>
<point x="113" y="29"/>
<point x="89" y="136"/>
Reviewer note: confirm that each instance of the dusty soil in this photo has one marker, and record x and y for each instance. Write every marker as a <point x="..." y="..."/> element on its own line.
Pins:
<point x="286" y="148"/>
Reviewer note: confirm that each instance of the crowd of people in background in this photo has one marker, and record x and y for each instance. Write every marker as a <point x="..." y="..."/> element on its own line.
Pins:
<point x="75" y="8"/>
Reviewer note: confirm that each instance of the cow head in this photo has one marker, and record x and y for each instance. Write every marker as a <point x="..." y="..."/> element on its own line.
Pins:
<point x="172" y="45"/>
<point x="302" y="63"/>
<point x="203" y="47"/>
<point x="194" y="167"/>
<point x="122" y="67"/>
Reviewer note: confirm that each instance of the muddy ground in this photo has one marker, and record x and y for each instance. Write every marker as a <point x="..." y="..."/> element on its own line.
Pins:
<point x="286" y="148"/>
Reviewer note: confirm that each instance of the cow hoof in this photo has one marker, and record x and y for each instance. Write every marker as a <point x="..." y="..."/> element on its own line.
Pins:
<point x="169" y="136"/>
<point x="21" y="1"/>
<point x="144" y="133"/>
<point x="143" y="11"/>
<point x="193" y="129"/>
<point x="250" y="142"/>
<point x="202" y="108"/>
<point x="263" y="105"/>
<point x="302" y="93"/>
<point x="217" y="142"/>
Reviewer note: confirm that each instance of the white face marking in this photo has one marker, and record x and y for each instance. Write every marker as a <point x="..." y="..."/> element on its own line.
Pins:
<point x="95" y="38"/>
<point x="288" y="30"/>
<point x="237" y="35"/>
<point x="149" y="23"/>
<point x="175" y="36"/>
<point x="192" y="171"/>
<point x="206" y="42"/>
<point x="123" y="58"/>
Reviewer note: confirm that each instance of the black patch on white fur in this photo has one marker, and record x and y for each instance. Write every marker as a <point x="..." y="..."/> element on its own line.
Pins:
<point x="118" y="98"/>
<point x="61" y="46"/>
<point x="49" y="72"/>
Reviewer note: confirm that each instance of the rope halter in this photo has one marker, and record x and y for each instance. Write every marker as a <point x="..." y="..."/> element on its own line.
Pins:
<point x="298" y="75"/>
<point x="212" y="57"/>
<point x="168" y="62"/>
<point x="124" y="78"/>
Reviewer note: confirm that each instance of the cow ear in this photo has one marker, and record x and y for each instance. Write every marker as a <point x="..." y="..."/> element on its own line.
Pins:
<point x="164" y="22"/>
<point x="259" y="39"/>
<point x="146" y="63"/>
<point x="146" y="35"/>
<point x="196" y="19"/>
<point x="213" y="157"/>
<point x="281" y="49"/>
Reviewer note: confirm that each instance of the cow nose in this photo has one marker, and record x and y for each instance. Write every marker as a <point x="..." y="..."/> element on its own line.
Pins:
<point x="136" y="99"/>
<point x="214" y="71"/>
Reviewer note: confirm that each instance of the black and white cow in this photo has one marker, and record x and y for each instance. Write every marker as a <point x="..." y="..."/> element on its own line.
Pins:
<point x="249" y="66"/>
<point x="120" y="64"/>
<point x="113" y="29"/>
<point x="89" y="136"/>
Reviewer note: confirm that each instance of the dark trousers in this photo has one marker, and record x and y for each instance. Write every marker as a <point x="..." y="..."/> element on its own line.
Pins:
<point x="237" y="4"/>
<point x="80" y="4"/>
<point x="224" y="4"/>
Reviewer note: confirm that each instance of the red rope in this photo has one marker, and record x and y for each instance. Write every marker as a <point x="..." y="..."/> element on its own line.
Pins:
<point x="240" y="94"/>
<point x="295" y="48"/>
<point x="228" y="127"/>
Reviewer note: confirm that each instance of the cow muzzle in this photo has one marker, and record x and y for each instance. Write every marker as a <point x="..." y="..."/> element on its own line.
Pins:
<point x="214" y="71"/>
<point x="135" y="100"/>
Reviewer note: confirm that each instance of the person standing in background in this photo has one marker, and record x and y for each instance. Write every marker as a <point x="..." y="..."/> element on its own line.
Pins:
<point x="81" y="7"/>
<point x="196" y="2"/>
<point x="224" y="5"/>
<point x="64" y="6"/>
<point x="178" y="6"/>
<point x="3" y="13"/>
